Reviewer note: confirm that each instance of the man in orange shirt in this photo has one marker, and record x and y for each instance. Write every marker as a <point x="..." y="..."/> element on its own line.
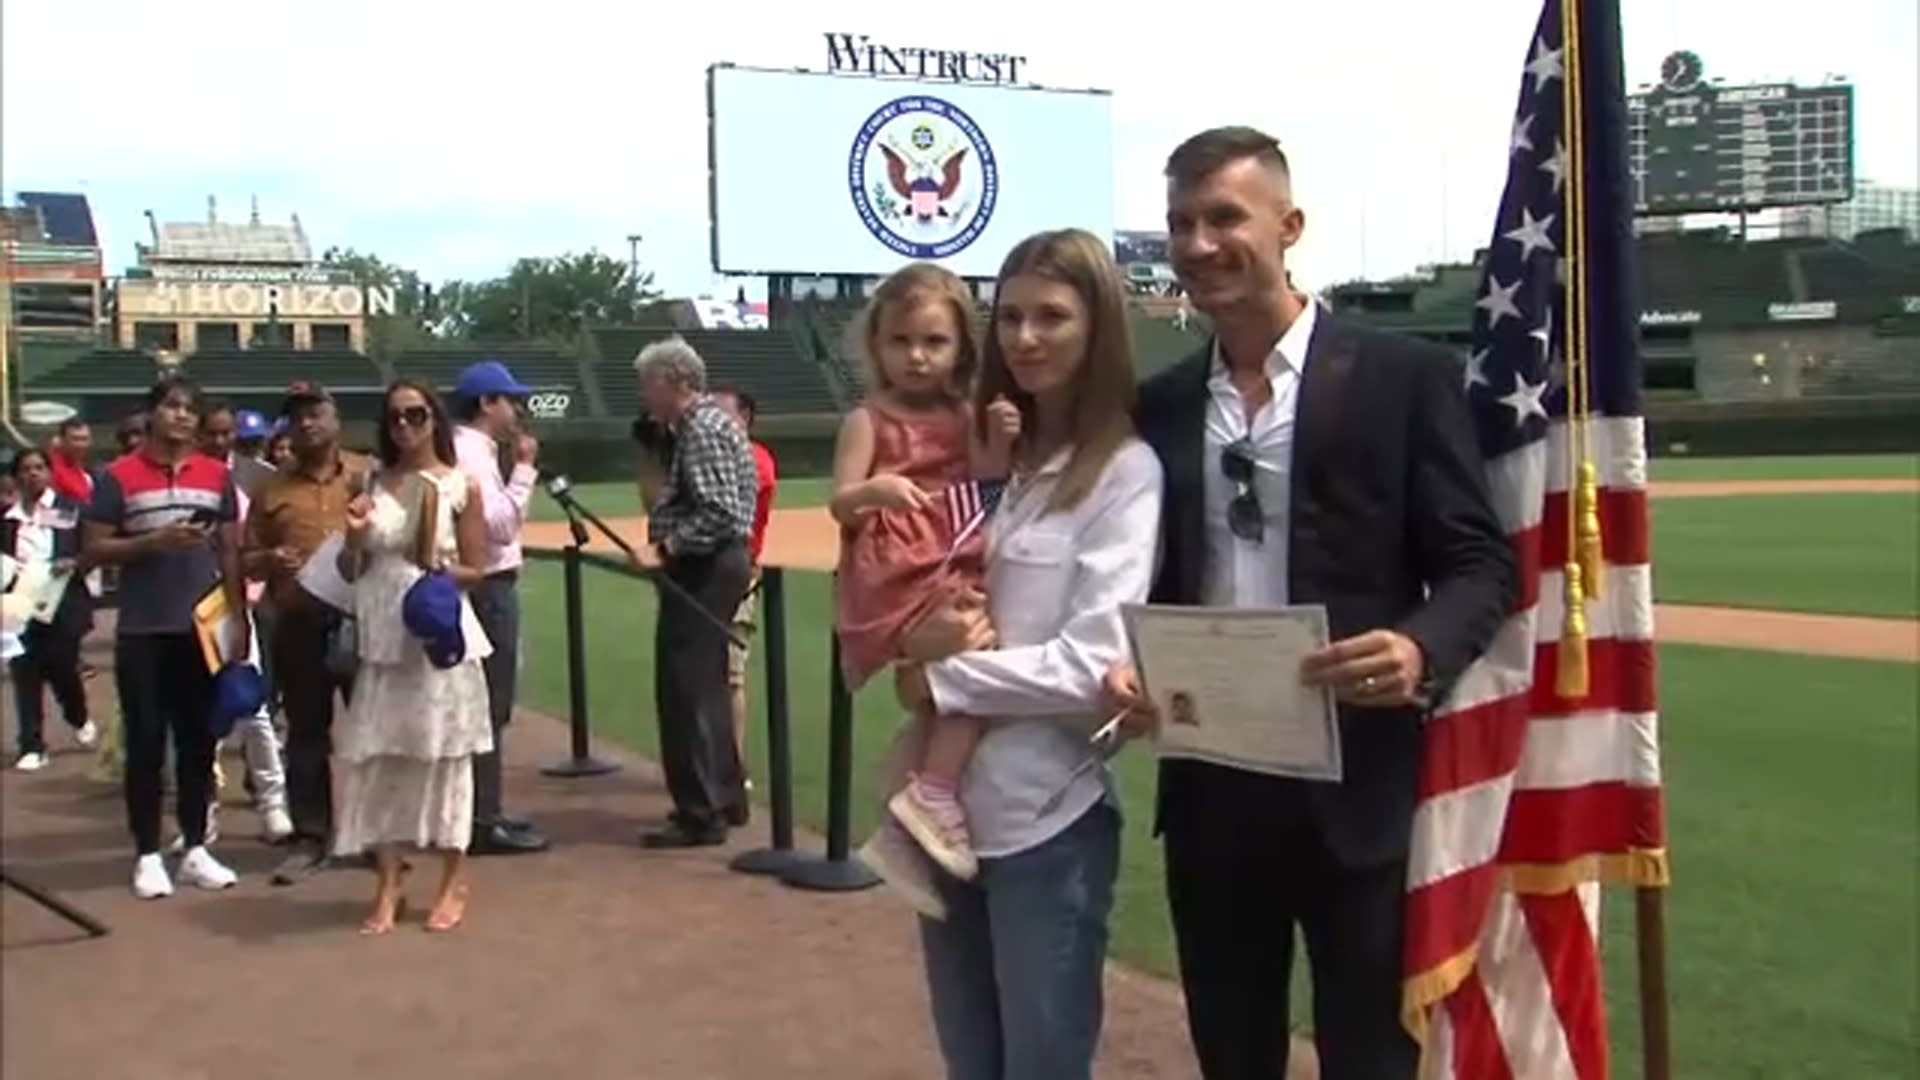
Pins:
<point x="740" y="405"/>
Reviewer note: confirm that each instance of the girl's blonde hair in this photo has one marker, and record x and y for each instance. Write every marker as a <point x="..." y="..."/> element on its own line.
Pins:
<point x="1103" y="388"/>
<point x="919" y="283"/>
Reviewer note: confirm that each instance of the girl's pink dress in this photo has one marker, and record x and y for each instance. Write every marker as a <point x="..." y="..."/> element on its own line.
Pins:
<point x="891" y="570"/>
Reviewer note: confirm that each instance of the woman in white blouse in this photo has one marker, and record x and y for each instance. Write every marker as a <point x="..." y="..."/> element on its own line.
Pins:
<point x="1014" y="967"/>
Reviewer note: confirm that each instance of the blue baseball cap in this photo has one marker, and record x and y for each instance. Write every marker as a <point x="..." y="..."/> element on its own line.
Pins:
<point x="431" y="612"/>
<point x="250" y="424"/>
<point x="489" y="378"/>
<point x="238" y="691"/>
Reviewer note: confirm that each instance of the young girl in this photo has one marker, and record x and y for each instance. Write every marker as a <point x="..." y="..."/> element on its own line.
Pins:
<point x="912" y="445"/>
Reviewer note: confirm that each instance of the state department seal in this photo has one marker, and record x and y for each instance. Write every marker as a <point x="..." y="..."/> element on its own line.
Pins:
<point x="923" y="178"/>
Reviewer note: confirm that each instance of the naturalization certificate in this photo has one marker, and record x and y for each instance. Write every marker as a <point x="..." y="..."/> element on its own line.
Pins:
<point x="1227" y="685"/>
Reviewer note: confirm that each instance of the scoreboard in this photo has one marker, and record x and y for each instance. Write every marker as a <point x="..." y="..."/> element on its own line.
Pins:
<point x="1703" y="147"/>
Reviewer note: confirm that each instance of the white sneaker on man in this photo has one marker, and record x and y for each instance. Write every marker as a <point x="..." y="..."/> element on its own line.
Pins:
<point x="31" y="762"/>
<point x="150" y="881"/>
<point x="199" y="868"/>
<point x="87" y="735"/>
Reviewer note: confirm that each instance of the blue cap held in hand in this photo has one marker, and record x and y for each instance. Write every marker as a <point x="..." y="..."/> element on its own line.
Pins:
<point x="238" y="692"/>
<point x="431" y="612"/>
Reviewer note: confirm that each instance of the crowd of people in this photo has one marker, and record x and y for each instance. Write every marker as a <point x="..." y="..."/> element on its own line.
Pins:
<point x="1002" y="493"/>
<point x="379" y="606"/>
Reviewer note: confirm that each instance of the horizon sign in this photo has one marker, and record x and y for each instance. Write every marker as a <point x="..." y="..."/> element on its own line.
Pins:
<point x="234" y="299"/>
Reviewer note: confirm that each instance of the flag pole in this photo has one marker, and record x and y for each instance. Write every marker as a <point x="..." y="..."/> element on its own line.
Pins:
<point x="1650" y="935"/>
<point x="1649" y="911"/>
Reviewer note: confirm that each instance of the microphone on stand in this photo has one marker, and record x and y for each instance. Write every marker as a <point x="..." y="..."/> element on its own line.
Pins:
<point x="561" y="489"/>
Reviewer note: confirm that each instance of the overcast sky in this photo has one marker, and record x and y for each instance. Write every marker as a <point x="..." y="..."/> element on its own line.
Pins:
<point x="453" y="141"/>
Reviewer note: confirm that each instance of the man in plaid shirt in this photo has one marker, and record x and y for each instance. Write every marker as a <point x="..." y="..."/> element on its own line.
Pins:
<point x="698" y="526"/>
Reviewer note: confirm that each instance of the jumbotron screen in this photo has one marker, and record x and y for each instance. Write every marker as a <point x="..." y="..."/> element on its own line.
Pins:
<point x="1702" y="147"/>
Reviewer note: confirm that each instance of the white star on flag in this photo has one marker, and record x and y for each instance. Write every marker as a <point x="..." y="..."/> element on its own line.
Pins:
<point x="1531" y="233"/>
<point x="1556" y="166"/>
<point x="1545" y="65"/>
<point x="1498" y="301"/>
<point x="1521" y="139"/>
<point x="1525" y="400"/>
<point x="1477" y="370"/>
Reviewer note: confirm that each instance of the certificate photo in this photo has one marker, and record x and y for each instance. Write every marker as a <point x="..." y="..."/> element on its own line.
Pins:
<point x="1227" y="685"/>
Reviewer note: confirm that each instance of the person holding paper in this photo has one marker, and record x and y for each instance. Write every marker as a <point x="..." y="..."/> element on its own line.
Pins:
<point x="1309" y="461"/>
<point x="164" y="514"/>
<point x="43" y="527"/>
<point x="221" y="427"/>
<point x="419" y="712"/>
<point x="1014" y="968"/>
<point x="294" y="511"/>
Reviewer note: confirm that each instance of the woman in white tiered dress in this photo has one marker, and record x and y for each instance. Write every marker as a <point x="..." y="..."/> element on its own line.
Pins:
<point x="405" y="748"/>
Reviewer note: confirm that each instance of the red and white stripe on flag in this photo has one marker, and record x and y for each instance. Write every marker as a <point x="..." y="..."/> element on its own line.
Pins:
<point x="1527" y="800"/>
<point x="962" y="502"/>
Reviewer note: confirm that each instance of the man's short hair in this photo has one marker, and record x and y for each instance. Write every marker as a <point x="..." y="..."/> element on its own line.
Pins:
<point x="1210" y="151"/>
<point x="72" y="424"/>
<point x="674" y="360"/>
<point x="167" y="386"/>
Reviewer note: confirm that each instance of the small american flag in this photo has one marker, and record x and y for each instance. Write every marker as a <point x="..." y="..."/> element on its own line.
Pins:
<point x="1530" y="798"/>
<point x="968" y="505"/>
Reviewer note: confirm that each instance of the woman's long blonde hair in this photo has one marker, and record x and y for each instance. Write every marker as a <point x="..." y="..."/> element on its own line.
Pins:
<point x="1103" y="389"/>
<point x="920" y="283"/>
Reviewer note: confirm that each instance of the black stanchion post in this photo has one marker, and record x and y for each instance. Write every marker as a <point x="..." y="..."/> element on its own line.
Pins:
<point x="779" y="854"/>
<point x="582" y="762"/>
<point x="837" y="872"/>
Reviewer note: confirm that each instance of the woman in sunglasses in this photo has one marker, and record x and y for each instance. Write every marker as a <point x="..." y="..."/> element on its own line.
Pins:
<point x="419" y="710"/>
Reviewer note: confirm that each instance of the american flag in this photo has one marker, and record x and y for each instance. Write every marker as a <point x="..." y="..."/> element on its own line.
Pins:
<point x="967" y="506"/>
<point x="1530" y="799"/>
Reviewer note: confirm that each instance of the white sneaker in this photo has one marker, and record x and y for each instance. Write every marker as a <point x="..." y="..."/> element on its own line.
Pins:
<point x="150" y="881"/>
<point x="31" y="762"/>
<point x="88" y="735"/>
<point x="275" y="825"/>
<point x="198" y="867"/>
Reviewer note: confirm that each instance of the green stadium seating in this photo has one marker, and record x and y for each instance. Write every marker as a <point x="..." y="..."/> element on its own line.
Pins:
<point x="764" y="363"/>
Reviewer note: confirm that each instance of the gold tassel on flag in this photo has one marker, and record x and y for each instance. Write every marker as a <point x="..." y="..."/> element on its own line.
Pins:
<point x="1587" y="506"/>
<point x="1570" y="681"/>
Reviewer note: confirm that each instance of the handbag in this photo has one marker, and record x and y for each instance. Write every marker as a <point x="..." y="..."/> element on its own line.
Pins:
<point x="343" y="646"/>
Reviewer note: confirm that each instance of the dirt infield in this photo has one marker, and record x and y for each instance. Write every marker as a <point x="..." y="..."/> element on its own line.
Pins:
<point x="594" y="961"/>
<point x="807" y="539"/>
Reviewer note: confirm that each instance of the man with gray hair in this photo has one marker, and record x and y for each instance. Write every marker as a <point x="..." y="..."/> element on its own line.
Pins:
<point x="698" y="523"/>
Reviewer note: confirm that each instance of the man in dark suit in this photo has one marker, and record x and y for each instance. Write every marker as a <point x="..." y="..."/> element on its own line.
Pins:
<point x="1308" y="461"/>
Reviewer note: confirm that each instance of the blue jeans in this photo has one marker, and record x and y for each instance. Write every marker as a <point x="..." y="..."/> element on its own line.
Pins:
<point x="1015" y="970"/>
